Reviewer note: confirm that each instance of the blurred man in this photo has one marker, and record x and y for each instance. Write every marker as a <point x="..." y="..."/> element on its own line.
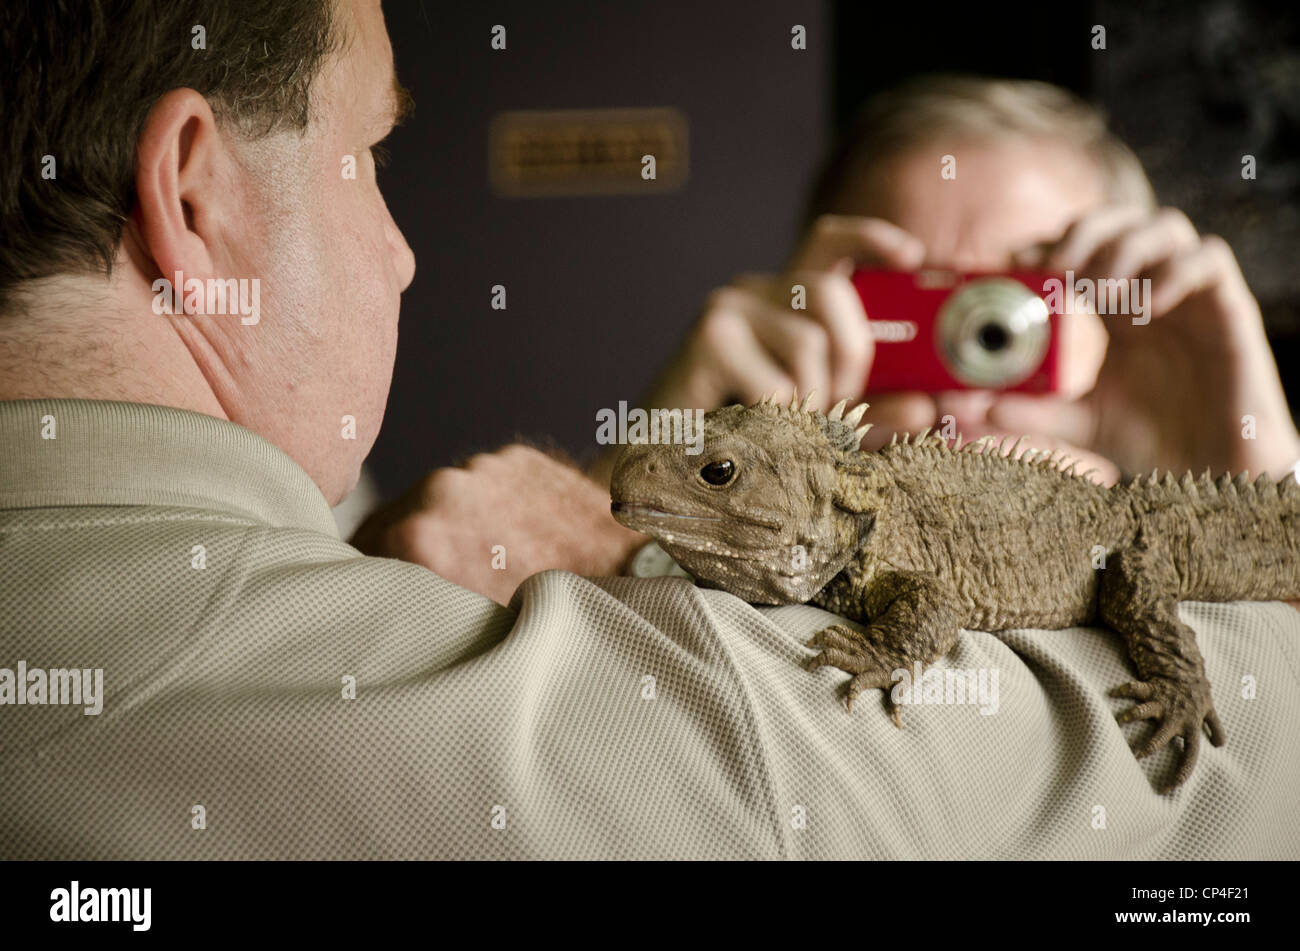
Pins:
<point x="1040" y="182"/>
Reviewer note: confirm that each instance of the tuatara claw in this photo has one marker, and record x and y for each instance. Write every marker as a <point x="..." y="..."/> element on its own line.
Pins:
<point x="850" y="651"/>
<point x="1180" y="708"/>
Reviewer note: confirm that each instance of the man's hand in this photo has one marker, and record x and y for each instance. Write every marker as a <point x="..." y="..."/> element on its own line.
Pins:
<point x="541" y="512"/>
<point x="750" y="341"/>
<point x="1172" y="393"/>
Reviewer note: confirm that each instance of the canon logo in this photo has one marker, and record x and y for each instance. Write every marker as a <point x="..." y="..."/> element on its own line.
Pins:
<point x="893" y="331"/>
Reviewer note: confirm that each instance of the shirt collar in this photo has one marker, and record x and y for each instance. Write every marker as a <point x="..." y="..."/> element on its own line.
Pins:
<point x="63" y="452"/>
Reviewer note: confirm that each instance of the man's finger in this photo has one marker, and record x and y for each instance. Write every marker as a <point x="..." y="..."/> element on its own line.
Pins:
<point x="835" y="239"/>
<point x="801" y="347"/>
<point x="1136" y="250"/>
<point x="1083" y="237"/>
<point x="766" y="286"/>
<point x="834" y="304"/>
<point x="1068" y="420"/>
<point x="1178" y="278"/>
<point x="894" y="413"/>
<point x="742" y="367"/>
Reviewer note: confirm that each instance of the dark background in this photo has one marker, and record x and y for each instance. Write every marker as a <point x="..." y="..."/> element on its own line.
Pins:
<point x="601" y="289"/>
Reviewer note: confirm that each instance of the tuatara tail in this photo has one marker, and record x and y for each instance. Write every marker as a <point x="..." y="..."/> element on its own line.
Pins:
<point x="1240" y="541"/>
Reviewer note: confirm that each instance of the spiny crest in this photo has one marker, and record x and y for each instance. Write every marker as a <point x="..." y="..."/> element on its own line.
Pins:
<point x="1208" y="487"/>
<point x="841" y="429"/>
<point x="1056" y="460"/>
<point x="986" y="448"/>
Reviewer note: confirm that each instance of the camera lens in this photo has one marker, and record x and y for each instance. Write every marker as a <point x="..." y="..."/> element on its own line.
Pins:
<point x="992" y="332"/>
<point x="992" y="337"/>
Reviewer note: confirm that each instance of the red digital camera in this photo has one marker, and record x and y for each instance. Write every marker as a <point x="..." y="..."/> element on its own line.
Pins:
<point x="945" y="330"/>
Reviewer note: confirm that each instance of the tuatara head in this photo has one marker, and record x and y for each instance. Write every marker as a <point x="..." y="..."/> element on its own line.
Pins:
<point x="765" y="510"/>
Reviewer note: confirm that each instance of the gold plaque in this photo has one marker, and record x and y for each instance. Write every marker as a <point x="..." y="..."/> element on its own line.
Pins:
<point x="587" y="152"/>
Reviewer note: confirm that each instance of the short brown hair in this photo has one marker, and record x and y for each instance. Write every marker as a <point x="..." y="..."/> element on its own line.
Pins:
<point x="80" y="82"/>
<point x="973" y="107"/>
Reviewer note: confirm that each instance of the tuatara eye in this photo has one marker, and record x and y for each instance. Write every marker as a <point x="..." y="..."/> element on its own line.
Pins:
<point x="718" y="473"/>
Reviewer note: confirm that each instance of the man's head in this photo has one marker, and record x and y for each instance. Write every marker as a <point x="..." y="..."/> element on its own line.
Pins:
<point x="226" y="141"/>
<point x="982" y="170"/>
<point x="1027" y="158"/>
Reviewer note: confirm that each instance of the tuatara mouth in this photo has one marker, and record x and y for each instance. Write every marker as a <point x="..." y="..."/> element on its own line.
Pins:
<point x="638" y="510"/>
<point x="646" y="513"/>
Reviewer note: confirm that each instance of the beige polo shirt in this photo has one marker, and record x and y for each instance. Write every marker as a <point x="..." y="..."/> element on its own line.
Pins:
<point x="269" y="692"/>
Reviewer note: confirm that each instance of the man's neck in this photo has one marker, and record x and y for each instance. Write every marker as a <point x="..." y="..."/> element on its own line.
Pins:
<point x="96" y="338"/>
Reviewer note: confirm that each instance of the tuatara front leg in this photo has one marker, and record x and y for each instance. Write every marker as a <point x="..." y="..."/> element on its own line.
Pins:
<point x="1139" y="598"/>
<point x="911" y="617"/>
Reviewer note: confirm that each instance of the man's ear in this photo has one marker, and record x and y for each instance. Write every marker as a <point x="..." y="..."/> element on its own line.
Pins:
<point x="178" y="185"/>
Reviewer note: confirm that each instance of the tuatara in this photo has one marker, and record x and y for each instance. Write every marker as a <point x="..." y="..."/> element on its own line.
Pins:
<point x="922" y="538"/>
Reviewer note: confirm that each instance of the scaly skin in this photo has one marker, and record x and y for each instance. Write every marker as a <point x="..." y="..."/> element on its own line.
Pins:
<point x="921" y="539"/>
